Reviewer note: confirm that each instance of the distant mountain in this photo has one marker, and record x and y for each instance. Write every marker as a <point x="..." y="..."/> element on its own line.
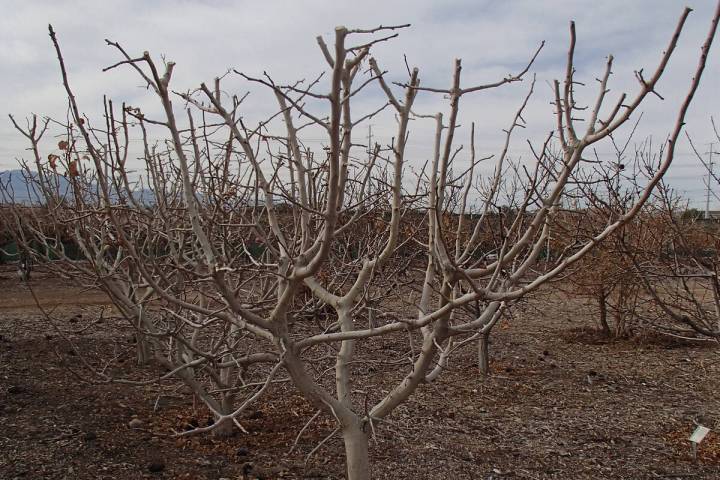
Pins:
<point x="14" y="186"/>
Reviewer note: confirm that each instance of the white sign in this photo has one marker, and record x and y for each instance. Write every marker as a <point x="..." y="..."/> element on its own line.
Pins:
<point x="699" y="433"/>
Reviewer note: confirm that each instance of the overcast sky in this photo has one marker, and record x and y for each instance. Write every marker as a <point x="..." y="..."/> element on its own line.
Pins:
<point x="494" y="38"/>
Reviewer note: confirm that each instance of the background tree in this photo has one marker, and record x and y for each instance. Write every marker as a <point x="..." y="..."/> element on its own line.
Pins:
<point x="678" y="270"/>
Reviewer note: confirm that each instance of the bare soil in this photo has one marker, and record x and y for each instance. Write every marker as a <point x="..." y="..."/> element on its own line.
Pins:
<point x="561" y="403"/>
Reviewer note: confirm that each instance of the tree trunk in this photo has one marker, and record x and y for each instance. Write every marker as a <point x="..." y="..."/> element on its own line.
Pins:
<point x="484" y="354"/>
<point x="143" y="349"/>
<point x="357" y="456"/>
<point x="620" y="316"/>
<point x="607" y="333"/>
<point x="227" y="428"/>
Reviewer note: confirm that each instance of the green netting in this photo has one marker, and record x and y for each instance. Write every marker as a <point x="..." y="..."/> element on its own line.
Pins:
<point x="9" y="252"/>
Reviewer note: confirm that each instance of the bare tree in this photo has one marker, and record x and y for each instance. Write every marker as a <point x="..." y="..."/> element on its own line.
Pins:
<point x="254" y="254"/>
<point x="605" y="191"/>
<point x="677" y="268"/>
<point x="661" y="268"/>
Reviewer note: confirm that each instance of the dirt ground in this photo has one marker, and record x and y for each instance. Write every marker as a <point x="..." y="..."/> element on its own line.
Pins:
<point x="560" y="404"/>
